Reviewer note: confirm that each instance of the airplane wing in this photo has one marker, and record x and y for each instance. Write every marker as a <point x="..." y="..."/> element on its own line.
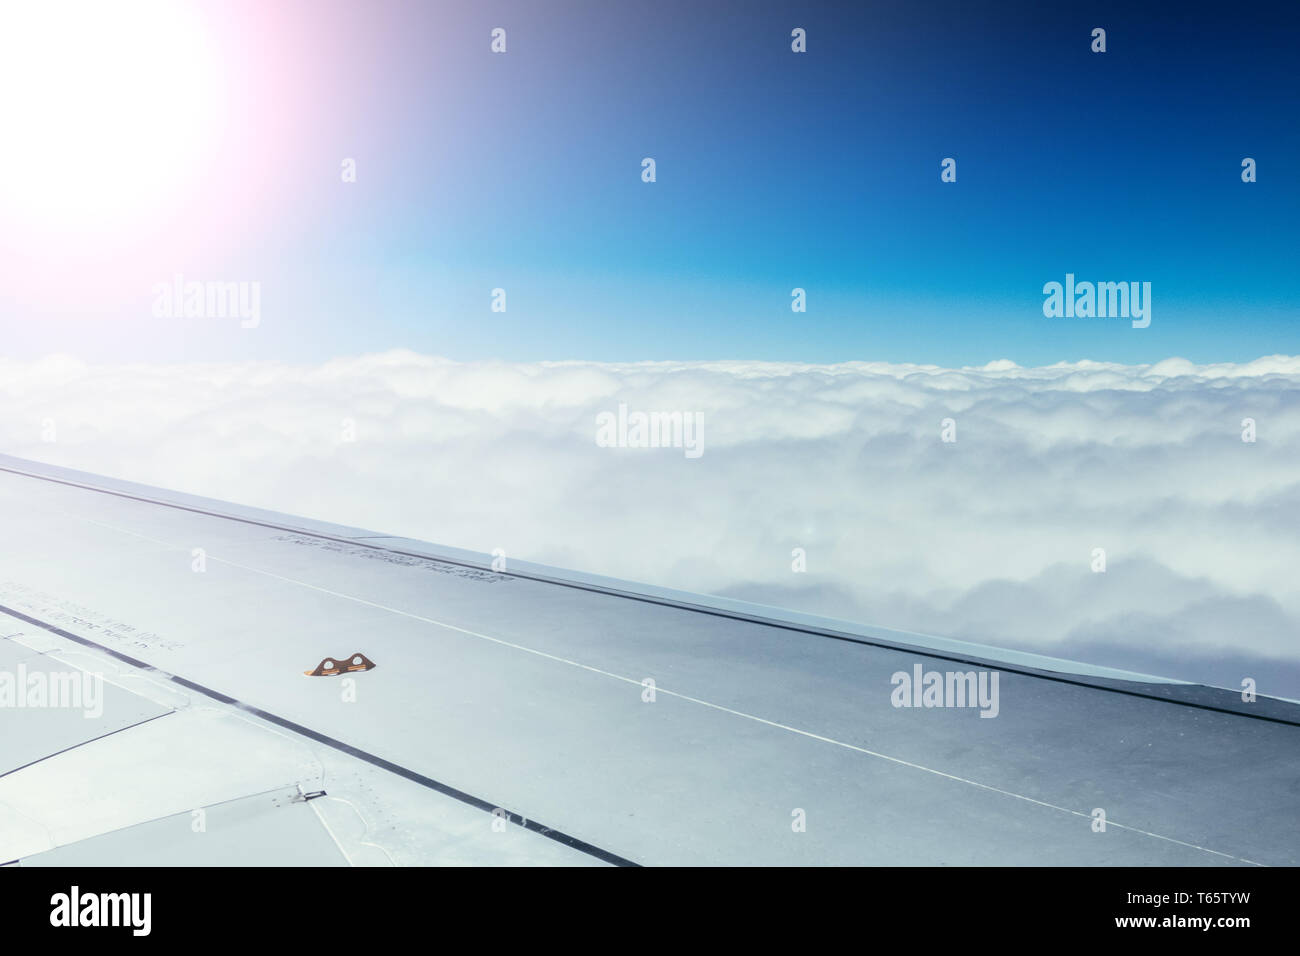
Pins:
<point x="158" y="707"/>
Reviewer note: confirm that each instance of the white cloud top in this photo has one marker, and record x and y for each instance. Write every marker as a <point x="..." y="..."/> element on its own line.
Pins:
<point x="988" y="538"/>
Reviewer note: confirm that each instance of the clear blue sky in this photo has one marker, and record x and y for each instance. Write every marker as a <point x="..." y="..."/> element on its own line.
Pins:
<point x="775" y="170"/>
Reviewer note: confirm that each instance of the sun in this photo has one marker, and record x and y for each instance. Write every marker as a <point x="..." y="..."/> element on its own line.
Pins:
<point x="107" y="109"/>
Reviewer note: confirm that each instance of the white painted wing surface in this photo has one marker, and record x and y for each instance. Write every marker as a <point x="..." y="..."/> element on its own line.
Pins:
<point x="543" y="717"/>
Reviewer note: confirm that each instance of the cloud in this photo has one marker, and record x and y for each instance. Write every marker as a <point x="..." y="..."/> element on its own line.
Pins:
<point x="987" y="538"/>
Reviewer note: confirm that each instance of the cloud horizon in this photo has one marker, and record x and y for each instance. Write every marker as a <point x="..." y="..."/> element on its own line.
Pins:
<point x="991" y="537"/>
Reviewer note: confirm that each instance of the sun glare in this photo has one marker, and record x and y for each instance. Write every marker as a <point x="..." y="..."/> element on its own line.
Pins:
<point x="108" y="109"/>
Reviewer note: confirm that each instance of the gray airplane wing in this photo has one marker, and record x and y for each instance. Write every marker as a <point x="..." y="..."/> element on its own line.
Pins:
<point x="157" y="709"/>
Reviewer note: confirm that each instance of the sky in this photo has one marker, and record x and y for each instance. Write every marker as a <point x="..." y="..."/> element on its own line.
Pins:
<point x="207" y="140"/>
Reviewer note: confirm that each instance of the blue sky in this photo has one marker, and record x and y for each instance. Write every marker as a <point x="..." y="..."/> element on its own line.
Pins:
<point x="774" y="170"/>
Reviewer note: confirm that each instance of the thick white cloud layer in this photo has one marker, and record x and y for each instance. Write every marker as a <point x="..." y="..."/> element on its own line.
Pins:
<point x="988" y="538"/>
